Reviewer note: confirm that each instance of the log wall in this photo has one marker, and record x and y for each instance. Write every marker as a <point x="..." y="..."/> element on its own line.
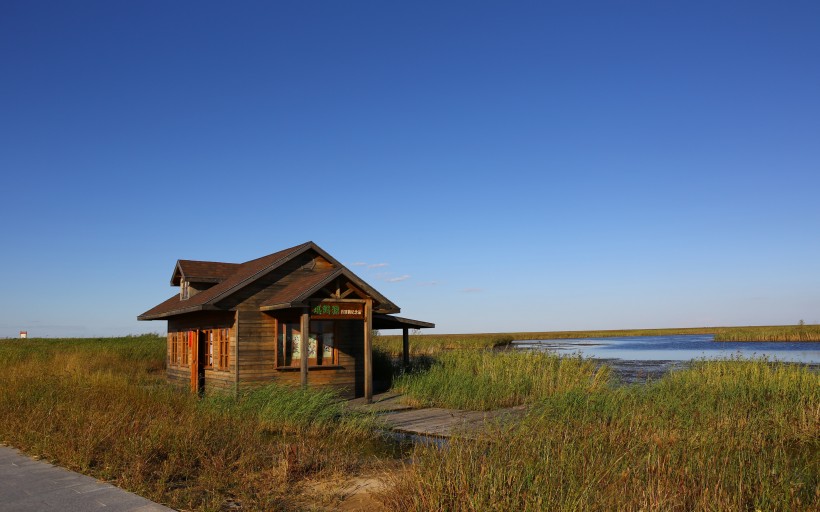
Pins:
<point x="180" y="375"/>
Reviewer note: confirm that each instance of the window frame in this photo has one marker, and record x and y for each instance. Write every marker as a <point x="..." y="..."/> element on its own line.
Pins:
<point x="216" y="343"/>
<point x="224" y="350"/>
<point x="173" y="349"/>
<point x="285" y="349"/>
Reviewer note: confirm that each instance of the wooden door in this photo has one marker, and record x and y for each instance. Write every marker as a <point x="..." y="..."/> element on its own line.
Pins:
<point x="193" y="347"/>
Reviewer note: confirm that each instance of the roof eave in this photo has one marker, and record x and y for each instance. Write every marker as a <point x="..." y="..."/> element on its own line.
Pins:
<point x="175" y="312"/>
<point x="403" y="322"/>
<point x="283" y="305"/>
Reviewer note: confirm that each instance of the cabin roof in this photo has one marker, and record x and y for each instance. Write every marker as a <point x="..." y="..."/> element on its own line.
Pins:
<point x="231" y="277"/>
<point x="202" y="271"/>
<point x="294" y="291"/>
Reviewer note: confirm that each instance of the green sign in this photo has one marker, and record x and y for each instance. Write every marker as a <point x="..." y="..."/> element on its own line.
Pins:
<point x="326" y="309"/>
<point x="350" y="310"/>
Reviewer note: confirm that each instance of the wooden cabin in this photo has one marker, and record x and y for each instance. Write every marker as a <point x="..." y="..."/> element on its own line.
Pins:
<point x="238" y="325"/>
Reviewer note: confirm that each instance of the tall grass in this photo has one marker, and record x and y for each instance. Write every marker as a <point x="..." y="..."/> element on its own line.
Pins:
<point x="102" y="407"/>
<point x="487" y="379"/>
<point x="725" y="435"/>
<point x="431" y="344"/>
<point x="776" y="333"/>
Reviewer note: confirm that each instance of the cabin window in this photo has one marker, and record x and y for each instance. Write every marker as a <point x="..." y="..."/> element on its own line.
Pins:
<point x="321" y="344"/>
<point x="184" y="290"/>
<point x="321" y="348"/>
<point x="184" y="342"/>
<point x="206" y="338"/>
<point x="224" y="350"/>
<point x="178" y="348"/>
<point x="173" y="358"/>
<point x="215" y="348"/>
<point x="289" y="344"/>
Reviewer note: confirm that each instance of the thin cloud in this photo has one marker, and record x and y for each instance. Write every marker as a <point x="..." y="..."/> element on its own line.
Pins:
<point x="472" y="290"/>
<point x="429" y="283"/>
<point x="358" y="264"/>
<point x="405" y="277"/>
<point x="377" y="265"/>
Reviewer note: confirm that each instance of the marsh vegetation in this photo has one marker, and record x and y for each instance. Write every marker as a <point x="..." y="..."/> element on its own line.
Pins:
<point x="720" y="435"/>
<point x="729" y="435"/>
<point x="486" y="379"/>
<point x="102" y="407"/>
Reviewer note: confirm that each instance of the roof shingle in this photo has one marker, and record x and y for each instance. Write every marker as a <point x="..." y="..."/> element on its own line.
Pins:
<point x="203" y="271"/>
<point x="241" y="273"/>
<point x="230" y="277"/>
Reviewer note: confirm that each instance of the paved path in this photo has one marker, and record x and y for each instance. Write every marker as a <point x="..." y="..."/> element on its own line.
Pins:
<point x="432" y="421"/>
<point x="36" y="486"/>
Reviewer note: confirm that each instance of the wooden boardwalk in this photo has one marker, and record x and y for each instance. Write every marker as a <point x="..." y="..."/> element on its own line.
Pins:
<point x="432" y="421"/>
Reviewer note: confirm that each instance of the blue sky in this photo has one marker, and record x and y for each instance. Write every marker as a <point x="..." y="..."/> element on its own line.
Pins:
<point x="496" y="166"/>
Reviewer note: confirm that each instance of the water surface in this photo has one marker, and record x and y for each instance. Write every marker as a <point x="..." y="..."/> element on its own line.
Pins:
<point x="636" y="358"/>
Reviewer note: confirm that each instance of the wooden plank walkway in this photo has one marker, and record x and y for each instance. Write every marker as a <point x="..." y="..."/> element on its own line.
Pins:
<point x="433" y="421"/>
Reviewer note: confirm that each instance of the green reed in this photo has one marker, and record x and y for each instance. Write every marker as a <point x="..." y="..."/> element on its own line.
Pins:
<point x="488" y="379"/>
<point x="774" y="333"/>
<point x="723" y="435"/>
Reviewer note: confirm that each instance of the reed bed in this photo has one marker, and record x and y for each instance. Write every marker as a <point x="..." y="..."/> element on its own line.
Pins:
<point x="776" y="333"/>
<point x="486" y="379"/>
<point x="102" y="407"/>
<point x="726" y="435"/>
<point x="432" y="344"/>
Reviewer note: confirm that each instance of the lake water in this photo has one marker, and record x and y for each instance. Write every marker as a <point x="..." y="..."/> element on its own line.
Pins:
<point x="676" y="348"/>
<point x="635" y="358"/>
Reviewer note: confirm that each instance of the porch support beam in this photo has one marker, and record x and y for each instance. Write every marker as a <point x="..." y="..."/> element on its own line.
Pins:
<point x="368" y="351"/>
<point x="303" y="347"/>
<point x="405" y="347"/>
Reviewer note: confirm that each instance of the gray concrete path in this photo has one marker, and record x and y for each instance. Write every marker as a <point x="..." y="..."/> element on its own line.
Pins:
<point x="33" y="485"/>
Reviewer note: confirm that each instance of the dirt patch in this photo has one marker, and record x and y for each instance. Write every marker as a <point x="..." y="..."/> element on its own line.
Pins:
<point x="361" y="494"/>
<point x="349" y="494"/>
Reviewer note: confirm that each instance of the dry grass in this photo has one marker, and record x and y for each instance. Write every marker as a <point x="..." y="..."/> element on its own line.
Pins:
<point x="731" y="435"/>
<point x="101" y="407"/>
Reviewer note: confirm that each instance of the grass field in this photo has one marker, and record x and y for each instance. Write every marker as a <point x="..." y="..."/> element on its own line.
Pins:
<point x="728" y="435"/>
<point x="431" y="344"/>
<point x="101" y="406"/>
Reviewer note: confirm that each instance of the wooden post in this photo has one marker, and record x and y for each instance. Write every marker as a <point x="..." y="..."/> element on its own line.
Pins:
<point x="368" y="351"/>
<point x="303" y="354"/>
<point x="405" y="347"/>
<point x="193" y="358"/>
<point x="236" y="353"/>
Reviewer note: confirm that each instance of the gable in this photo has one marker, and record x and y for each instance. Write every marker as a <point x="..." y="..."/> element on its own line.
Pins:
<point x="202" y="271"/>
